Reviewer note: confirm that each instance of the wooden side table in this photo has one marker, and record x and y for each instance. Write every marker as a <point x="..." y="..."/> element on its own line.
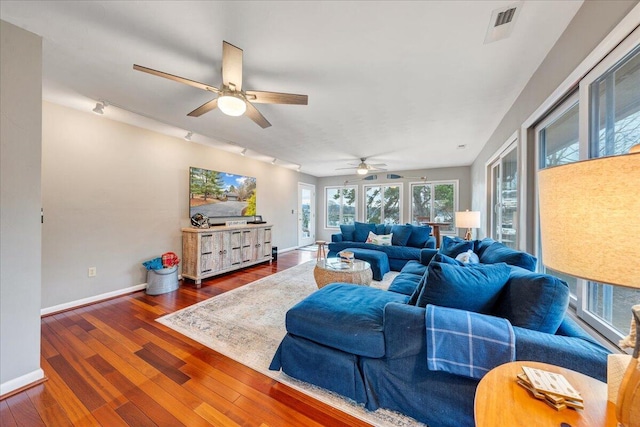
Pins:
<point x="500" y="401"/>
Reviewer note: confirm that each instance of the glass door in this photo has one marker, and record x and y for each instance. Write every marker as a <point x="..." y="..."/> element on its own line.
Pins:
<point x="504" y="197"/>
<point x="306" y="214"/>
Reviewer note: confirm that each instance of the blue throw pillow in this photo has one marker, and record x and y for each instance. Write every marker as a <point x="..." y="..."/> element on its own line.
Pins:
<point x="419" y="236"/>
<point x="347" y="232"/>
<point x="479" y="246"/>
<point x="498" y="252"/>
<point x="474" y="288"/>
<point x="413" y="299"/>
<point x="446" y="259"/>
<point x="533" y="300"/>
<point x="452" y="246"/>
<point x="380" y="229"/>
<point x="362" y="231"/>
<point x="401" y="234"/>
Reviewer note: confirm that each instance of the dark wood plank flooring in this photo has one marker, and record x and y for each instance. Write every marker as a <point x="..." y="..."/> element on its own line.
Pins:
<point x="110" y="364"/>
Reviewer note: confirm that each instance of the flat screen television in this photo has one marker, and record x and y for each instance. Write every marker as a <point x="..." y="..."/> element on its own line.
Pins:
<point x="221" y="194"/>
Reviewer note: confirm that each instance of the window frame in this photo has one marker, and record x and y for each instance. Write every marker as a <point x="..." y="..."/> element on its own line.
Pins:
<point x="382" y="186"/>
<point x="432" y="184"/>
<point x="340" y="189"/>
<point x="581" y="81"/>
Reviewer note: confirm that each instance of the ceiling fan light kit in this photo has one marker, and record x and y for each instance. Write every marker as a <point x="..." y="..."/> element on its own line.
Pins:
<point x="232" y="100"/>
<point x="232" y="105"/>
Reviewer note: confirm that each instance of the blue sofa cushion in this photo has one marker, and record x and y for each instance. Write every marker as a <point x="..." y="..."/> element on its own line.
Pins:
<point x="452" y="246"/>
<point x="479" y="246"/>
<point x="497" y="252"/>
<point x="473" y="287"/>
<point x="419" y="236"/>
<point x="362" y="231"/>
<point x="401" y="234"/>
<point x="533" y="301"/>
<point x="405" y="284"/>
<point x="348" y="232"/>
<point x="414" y="267"/>
<point x="413" y="300"/>
<point x="343" y="316"/>
<point x="381" y="229"/>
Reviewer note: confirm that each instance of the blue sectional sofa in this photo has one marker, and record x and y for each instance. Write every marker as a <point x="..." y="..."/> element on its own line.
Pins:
<point x="370" y="345"/>
<point x="407" y="241"/>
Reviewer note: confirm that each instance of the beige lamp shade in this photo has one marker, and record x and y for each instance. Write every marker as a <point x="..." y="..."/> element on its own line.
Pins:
<point x="590" y="219"/>
<point x="468" y="219"/>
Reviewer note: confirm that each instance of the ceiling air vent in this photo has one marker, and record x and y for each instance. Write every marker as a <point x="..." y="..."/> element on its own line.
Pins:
<point x="502" y="22"/>
<point x="505" y="17"/>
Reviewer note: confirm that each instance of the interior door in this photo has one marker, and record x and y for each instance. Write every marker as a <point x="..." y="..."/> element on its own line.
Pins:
<point x="306" y="214"/>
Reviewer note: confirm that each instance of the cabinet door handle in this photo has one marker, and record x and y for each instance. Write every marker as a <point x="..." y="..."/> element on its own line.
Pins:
<point x="220" y="253"/>
<point x="224" y="252"/>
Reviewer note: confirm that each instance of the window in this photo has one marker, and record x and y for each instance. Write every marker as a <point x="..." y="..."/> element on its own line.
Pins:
<point x="434" y="202"/>
<point x="503" y="194"/>
<point x="602" y="118"/>
<point x="614" y="127"/>
<point x="558" y="144"/>
<point x="341" y="205"/>
<point x="382" y="204"/>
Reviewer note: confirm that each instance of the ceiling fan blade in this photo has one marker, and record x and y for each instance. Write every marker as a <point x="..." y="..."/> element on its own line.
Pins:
<point x="204" y="108"/>
<point x="176" y="78"/>
<point x="261" y="97"/>
<point x="256" y="116"/>
<point x="231" y="66"/>
<point x="351" y="167"/>
<point x="377" y="165"/>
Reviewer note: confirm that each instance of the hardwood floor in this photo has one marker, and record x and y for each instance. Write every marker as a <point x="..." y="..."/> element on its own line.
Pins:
<point x="110" y="364"/>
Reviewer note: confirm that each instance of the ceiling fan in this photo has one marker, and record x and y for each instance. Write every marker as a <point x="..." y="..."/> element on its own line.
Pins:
<point x="232" y="99"/>
<point x="363" y="168"/>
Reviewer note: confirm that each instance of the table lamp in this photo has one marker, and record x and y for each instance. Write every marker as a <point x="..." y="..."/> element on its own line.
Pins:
<point x="589" y="215"/>
<point x="468" y="219"/>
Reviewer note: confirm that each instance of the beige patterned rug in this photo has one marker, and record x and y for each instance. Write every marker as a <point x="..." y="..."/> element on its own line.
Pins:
<point x="247" y="325"/>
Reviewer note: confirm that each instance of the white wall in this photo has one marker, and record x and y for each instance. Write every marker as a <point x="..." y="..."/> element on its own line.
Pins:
<point x="20" y="229"/>
<point x="116" y="195"/>
<point x="593" y="22"/>
<point x="462" y="174"/>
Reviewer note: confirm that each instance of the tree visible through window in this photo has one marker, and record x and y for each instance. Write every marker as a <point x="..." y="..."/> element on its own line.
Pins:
<point x="341" y="203"/>
<point x="382" y="204"/>
<point x="434" y="202"/>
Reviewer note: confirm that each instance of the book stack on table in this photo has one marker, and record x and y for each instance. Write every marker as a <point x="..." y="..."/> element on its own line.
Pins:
<point x="552" y="388"/>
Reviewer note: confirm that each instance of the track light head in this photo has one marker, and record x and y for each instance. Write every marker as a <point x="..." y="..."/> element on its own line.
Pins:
<point x="99" y="109"/>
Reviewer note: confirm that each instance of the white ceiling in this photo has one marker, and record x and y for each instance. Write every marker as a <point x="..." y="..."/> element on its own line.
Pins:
<point x="402" y="83"/>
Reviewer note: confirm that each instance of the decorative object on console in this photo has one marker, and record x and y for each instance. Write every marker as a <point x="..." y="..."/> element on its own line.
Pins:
<point x="200" y="221"/>
<point x="468" y="219"/>
<point x="232" y="100"/>
<point x="594" y="203"/>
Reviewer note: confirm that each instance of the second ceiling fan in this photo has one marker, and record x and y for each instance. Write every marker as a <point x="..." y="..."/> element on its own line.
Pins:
<point x="232" y="99"/>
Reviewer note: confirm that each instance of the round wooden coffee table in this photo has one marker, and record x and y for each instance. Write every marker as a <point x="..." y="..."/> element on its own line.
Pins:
<point x="333" y="270"/>
<point x="500" y="401"/>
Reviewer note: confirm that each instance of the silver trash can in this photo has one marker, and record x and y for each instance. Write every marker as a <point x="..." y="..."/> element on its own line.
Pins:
<point x="162" y="281"/>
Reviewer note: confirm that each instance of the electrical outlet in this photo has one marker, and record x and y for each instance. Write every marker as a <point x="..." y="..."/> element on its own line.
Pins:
<point x="92" y="272"/>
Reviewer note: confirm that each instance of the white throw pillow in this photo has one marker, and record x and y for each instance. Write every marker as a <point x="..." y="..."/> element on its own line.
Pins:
<point x="380" y="240"/>
<point x="468" y="257"/>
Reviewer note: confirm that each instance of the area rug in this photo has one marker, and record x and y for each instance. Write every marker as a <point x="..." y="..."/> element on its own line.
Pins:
<point x="247" y="325"/>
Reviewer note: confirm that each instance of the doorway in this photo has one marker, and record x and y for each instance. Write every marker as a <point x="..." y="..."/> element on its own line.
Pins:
<point x="306" y="214"/>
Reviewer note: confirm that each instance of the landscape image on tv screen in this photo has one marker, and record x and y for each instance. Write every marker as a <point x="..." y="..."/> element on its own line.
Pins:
<point x="221" y="194"/>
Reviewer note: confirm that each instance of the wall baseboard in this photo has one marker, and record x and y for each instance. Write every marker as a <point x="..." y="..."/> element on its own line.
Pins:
<point x="293" y="248"/>
<point x="90" y="300"/>
<point x="25" y="381"/>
